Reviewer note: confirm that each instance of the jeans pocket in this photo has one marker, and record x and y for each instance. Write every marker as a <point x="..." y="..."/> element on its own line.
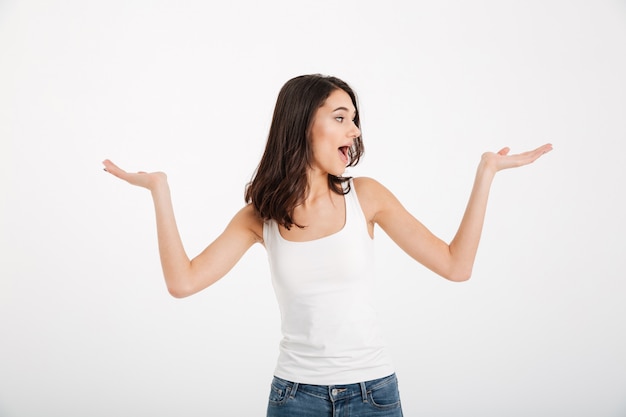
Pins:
<point x="279" y="391"/>
<point x="386" y="395"/>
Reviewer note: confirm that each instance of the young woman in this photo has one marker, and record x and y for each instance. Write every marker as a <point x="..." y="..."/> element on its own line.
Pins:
<point x="318" y="228"/>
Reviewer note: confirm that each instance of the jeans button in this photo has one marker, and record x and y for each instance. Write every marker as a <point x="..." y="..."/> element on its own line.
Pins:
<point x="334" y="391"/>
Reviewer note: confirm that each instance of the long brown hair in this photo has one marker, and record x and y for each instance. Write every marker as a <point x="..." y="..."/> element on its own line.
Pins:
<point x="280" y="181"/>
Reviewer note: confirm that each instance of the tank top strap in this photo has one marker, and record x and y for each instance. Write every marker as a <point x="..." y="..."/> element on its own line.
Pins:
<point x="354" y="212"/>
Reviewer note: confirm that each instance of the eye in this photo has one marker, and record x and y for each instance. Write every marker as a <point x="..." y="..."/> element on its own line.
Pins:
<point x="339" y="119"/>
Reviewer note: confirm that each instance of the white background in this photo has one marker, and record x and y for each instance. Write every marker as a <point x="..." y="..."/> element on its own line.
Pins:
<point x="87" y="327"/>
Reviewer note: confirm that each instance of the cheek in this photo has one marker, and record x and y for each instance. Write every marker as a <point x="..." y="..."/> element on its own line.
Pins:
<point x="320" y="137"/>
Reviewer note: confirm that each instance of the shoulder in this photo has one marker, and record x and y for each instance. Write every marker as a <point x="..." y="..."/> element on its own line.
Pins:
<point x="366" y="184"/>
<point x="369" y="188"/>
<point x="248" y="220"/>
<point x="373" y="196"/>
<point x="366" y="188"/>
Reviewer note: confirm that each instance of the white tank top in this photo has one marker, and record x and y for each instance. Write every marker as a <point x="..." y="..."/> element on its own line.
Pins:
<point x="325" y="288"/>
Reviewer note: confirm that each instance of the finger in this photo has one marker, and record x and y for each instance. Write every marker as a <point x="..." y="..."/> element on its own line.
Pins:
<point x="531" y="156"/>
<point x="546" y="148"/>
<point x="540" y="151"/>
<point x="113" y="169"/>
<point x="110" y="166"/>
<point x="504" y="151"/>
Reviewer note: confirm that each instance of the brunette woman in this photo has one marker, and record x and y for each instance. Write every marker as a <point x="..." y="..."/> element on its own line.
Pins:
<point x="318" y="226"/>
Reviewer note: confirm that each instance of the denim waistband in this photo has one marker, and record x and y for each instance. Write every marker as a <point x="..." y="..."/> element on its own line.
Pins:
<point x="335" y="392"/>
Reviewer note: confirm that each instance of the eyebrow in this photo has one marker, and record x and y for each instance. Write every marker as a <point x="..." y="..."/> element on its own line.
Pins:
<point x="344" y="109"/>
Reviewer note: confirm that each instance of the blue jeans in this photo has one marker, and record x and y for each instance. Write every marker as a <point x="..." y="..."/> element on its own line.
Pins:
<point x="377" y="398"/>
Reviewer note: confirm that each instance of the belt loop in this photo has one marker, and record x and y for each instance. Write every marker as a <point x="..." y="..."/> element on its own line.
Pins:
<point x="363" y="391"/>
<point x="294" y="388"/>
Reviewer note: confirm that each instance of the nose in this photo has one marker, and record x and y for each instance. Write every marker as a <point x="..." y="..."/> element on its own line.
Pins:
<point x="355" y="132"/>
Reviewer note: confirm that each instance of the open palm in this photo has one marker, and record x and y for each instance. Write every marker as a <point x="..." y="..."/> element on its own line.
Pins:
<point x="147" y="180"/>
<point x="502" y="160"/>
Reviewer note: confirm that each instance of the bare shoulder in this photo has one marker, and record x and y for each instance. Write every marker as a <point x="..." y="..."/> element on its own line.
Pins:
<point x="373" y="196"/>
<point x="366" y="185"/>
<point x="247" y="220"/>
<point x="369" y="188"/>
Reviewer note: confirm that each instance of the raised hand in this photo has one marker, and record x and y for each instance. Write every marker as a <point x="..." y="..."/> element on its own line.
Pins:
<point x="149" y="180"/>
<point x="502" y="160"/>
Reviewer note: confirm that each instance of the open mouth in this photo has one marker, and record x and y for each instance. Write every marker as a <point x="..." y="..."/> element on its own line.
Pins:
<point x="344" y="154"/>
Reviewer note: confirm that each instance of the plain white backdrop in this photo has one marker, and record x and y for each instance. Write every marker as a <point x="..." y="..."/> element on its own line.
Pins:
<point x="87" y="327"/>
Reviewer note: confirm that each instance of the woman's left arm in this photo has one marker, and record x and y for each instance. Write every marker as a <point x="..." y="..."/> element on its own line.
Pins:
<point x="453" y="261"/>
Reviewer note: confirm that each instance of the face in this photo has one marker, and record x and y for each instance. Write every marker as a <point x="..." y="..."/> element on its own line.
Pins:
<point x="332" y="134"/>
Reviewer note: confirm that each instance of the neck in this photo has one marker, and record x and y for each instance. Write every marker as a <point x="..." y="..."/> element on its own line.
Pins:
<point x="317" y="186"/>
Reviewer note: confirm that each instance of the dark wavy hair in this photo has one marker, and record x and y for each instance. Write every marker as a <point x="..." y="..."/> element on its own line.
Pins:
<point x="280" y="181"/>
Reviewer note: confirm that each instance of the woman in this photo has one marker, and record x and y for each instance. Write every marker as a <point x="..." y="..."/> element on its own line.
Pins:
<point x="318" y="229"/>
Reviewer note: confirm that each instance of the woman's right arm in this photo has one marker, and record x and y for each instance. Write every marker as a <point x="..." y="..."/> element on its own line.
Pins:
<point x="182" y="275"/>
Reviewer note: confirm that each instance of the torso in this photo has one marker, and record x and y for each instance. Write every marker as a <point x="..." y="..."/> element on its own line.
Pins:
<point x="323" y="276"/>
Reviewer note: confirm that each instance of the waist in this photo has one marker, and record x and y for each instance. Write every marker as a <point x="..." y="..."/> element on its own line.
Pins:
<point x="336" y="392"/>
